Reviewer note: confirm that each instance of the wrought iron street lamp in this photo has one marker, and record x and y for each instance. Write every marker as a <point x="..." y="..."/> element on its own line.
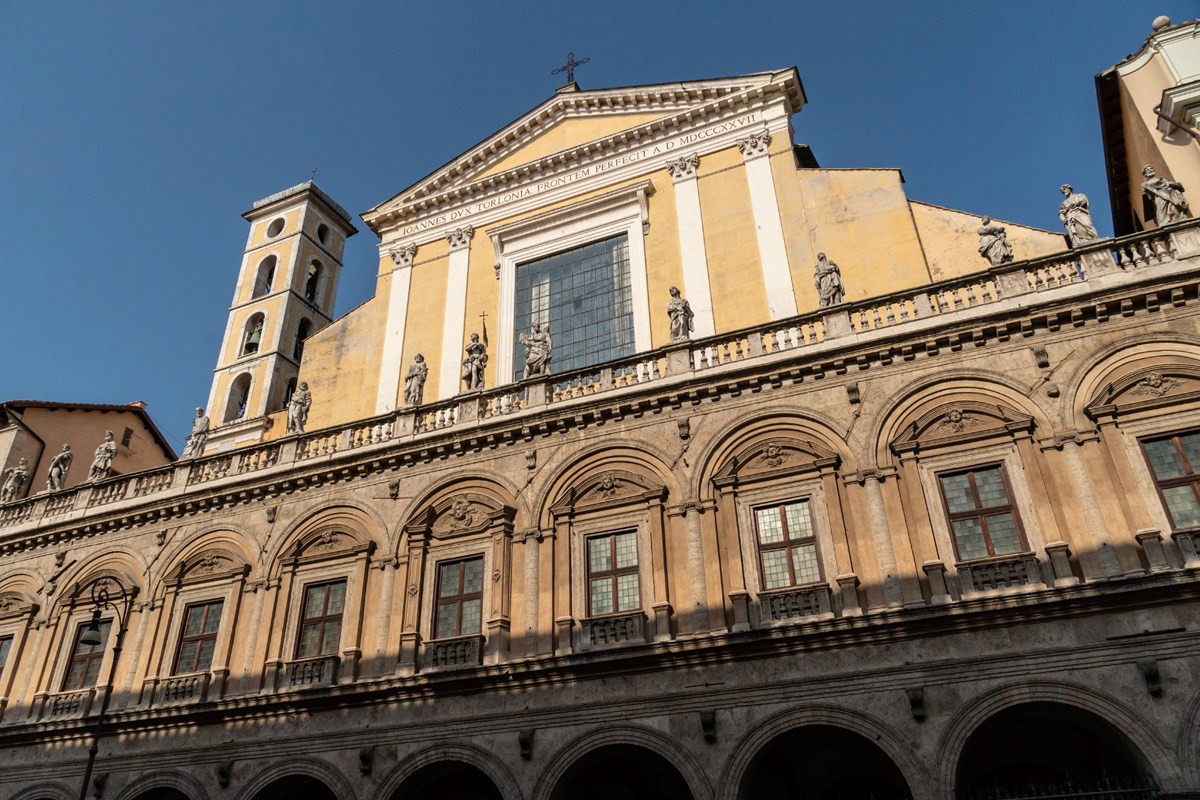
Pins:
<point x="102" y="599"/>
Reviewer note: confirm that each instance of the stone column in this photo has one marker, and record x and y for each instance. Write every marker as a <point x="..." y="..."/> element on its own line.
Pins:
<point x="691" y="243"/>
<point x="730" y="552"/>
<point x="410" y="638"/>
<point x="259" y="590"/>
<point x="36" y="658"/>
<point x="661" y="605"/>
<point x="392" y="368"/>
<point x="532" y="541"/>
<point x="143" y="610"/>
<point x="781" y="296"/>
<point x="454" y="320"/>
<point x="17" y="656"/>
<point x="500" y="616"/>
<point x="690" y="510"/>
<point x="1089" y="505"/>
<point x="881" y="532"/>
<point x="387" y="590"/>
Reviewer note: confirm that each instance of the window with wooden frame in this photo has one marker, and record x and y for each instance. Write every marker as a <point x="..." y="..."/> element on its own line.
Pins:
<point x="1174" y="462"/>
<point x="83" y="670"/>
<point x="459" y="598"/>
<point x="5" y="647"/>
<point x="787" y="545"/>
<point x="321" y="619"/>
<point x="612" y="572"/>
<point x="199" y="637"/>
<point x="983" y="518"/>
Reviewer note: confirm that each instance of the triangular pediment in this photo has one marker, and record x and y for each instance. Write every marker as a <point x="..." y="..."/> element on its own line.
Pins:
<point x="957" y="423"/>
<point x="577" y="125"/>
<point x="1147" y="389"/>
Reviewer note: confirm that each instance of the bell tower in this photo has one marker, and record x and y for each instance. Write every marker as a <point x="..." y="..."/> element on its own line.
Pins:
<point x="285" y="293"/>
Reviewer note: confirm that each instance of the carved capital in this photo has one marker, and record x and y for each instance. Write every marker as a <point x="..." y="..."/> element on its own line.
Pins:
<point x="684" y="167"/>
<point x="754" y="145"/>
<point x="403" y="255"/>
<point x="460" y="237"/>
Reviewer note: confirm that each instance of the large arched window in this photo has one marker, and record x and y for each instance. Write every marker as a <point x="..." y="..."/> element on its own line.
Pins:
<point x="312" y="282"/>
<point x="265" y="276"/>
<point x="303" y="330"/>
<point x="252" y="337"/>
<point x="239" y="396"/>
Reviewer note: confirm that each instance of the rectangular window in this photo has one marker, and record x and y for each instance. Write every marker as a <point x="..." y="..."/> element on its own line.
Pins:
<point x="787" y="547"/>
<point x="459" y="598"/>
<point x="321" y="619"/>
<point x="5" y="647"/>
<point x="84" y="669"/>
<point x="584" y="296"/>
<point x="1173" y="461"/>
<point x="199" y="637"/>
<point x="612" y="568"/>
<point x="982" y="516"/>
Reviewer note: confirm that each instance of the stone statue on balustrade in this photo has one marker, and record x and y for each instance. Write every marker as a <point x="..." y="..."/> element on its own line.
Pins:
<point x="14" y="482"/>
<point x="993" y="243"/>
<point x="474" y="363"/>
<point x="1165" y="196"/>
<point x="297" y="409"/>
<point x="537" y="351"/>
<point x="828" y="279"/>
<point x="102" y="463"/>
<point x="194" y="445"/>
<point x="60" y="465"/>
<point x="414" y="382"/>
<point x="680" y="312"/>
<point x="1076" y="215"/>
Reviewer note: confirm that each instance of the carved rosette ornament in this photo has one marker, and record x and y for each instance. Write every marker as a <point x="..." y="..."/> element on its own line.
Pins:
<point x="754" y="145"/>
<point x="956" y="420"/>
<point x="463" y="514"/>
<point x="207" y="564"/>
<point x="609" y="485"/>
<point x="773" y="455"/>
<point x="460" y="237"/>
<point x="326" y="541"/>
<point x="684" y="167"/>
<point x="1155" y="384"/>
<point x="7" y="601"/>
<point x="403" y="255"/>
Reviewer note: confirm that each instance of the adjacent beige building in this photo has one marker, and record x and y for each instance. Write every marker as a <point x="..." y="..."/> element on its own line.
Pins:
<point x="928" y="532"/>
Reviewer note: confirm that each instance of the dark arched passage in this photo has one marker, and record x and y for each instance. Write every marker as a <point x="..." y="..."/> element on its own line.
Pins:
<point x="448" y="780"/>
<point x="822" y="762"/>
<point x="1048" y="749"/>
<point x="162" y="794"/>
<point x="621" y="772"/>
<point x="295" y="787"/>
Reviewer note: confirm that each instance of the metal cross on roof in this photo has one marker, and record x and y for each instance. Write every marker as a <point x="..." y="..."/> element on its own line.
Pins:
<point x="570" y="66"/>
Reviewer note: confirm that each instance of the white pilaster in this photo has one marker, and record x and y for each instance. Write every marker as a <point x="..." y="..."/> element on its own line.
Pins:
<point x="691" y="243"/>
<point x="449" y="381"/>
<point x="391" y="368"/>
<point x="781" y="297"/>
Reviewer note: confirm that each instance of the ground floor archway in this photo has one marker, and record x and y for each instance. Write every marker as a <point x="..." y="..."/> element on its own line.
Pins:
<point x="621" y="772"/>
<point x="294" y="787"/>
<point x="822" y="762"/>
<point x="448" y="780"/>
<point x="1040" y="750"/>
<point x="162" y="794"/>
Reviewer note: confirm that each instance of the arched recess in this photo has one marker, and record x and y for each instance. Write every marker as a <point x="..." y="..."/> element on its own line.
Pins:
<point x="1108" y="364"/>
<point x="773" y="484"/>
<point x="619" y="753"/>
<point x="308" y="778"/>
<point x="49" y="791"/>
<point x="264" y="278"/>
<point x="1187" y="739"/>
<point x="891" y="746"/>
<point x="18" y="607"/>
<point x="1150" y="747"/>
<point x="314" y="279"/>
<point x="417" y="772"/>
<point x="171" y="785"/>
<point x="303" y="331"/>
<point x="239" y="398"/>
<point x="252" y="335"/>
<point x="201" y="596"/>
<point x="454" y="615"/>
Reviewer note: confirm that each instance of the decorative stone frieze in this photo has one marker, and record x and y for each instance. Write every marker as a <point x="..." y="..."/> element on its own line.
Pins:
<point x="684" y="167"/>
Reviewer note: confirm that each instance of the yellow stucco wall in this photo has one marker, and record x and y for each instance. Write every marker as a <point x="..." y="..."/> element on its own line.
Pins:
<point x="730" y="242"/>
<point x="664" y="265"/>
<point x="859" y="218"/>
<point x="426" y="301"/>
<point x="84" y="431"/>
<point x="258" y="233"/>
<point x="569" y="133"/>
<point x="952" y="244"/>
<point x="341" y="365"/>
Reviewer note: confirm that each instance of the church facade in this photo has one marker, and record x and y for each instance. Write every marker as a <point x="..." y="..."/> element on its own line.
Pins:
<point x="662" y="463"/>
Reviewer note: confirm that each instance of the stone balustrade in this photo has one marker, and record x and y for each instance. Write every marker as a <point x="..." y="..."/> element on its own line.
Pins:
<point x="69" y="705"/>
<point x="1125" y="258"/>
<point x="180" y="689"/>
<point x="320" y="671"/>
<point x="797" y="602"/>
<point x="460" y="651"/>
<point x="999" y="572"/>
<point x="614" y="629"/>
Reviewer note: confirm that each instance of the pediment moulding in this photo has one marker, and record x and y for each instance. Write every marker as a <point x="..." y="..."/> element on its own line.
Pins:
<point x="116" y="583"/>
<point x="460" y="514"/>
<point x="327" y="543"/>
<point x="209" y="565"/>
<point x="962" y="422"/>
<point x="1144" y="390"/>
<point x="17" y="604"/>
<point x="608" y="489"/>
<point x="728" y="115"/>
<point x="776" y="457"/>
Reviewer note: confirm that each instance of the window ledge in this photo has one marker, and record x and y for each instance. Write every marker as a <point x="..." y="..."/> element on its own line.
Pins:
<point x="68" y="705"/>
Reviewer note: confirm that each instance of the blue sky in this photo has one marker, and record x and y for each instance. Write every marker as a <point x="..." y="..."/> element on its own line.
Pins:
<point x="135" y="134"/>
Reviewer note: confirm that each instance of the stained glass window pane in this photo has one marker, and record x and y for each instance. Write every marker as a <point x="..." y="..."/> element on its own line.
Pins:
<point x="626" y="550"/>
<point x="584" y="296"/>
<point x="957" y="491"/>
<point x="1003" y="531"/>
<point x="804" y="563"/>
<point x="333" y="637"/>
<point x="1190" y="442"/>
<point x="628" y="598"/>
<point x="599" y="554"/>
<point x="799" y="521"/>
<point x="1164" y="459"/>
<point x="472" y="615"/>
<point x="447" y="620"/>
<point x="448" y="585"/>
<point x="187" y="656"/>
<point x="314" y="602"/>
<point x="770" y="525"/>
<point x="775" y="569"/>
<point x="990" y="484"/>
<point x="601" y="596"/>
<point x="337" y="598"/>
<point x="206" y="653"/>
<point x="213" y="621"/>
<point x="473" y="581"/>
<point x="5" y="646"/>
<point x="75" y="676"/>
<point x="195" y="618"/>
<point x="93" y="672"/>
<point x="1181" y="501"/>
<point x="310" y="640"/>
<point x="969" y="535"/>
